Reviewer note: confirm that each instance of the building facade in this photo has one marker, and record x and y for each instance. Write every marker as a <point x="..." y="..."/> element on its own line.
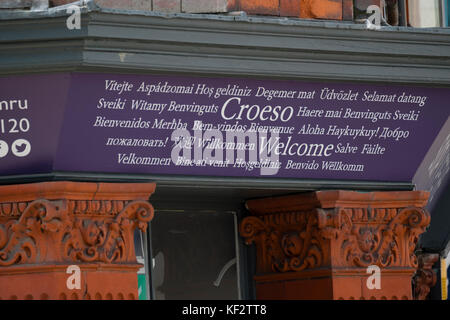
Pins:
<point x="224" y="149"/>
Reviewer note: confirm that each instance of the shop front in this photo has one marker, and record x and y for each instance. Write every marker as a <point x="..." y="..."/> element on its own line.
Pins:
<point x="233" y="157"/>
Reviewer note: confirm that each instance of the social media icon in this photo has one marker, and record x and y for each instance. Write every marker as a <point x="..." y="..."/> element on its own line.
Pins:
<point x="3" y="148"/>
<point x="21" y="148"/>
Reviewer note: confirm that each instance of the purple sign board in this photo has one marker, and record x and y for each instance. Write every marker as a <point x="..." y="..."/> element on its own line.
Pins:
<point x="31" y="114"/>
<point x="159" y="124"/>
<point x="434" y="172"/>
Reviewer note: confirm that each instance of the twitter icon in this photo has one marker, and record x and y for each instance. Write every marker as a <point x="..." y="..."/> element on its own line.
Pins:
<point x="21" y="148"/>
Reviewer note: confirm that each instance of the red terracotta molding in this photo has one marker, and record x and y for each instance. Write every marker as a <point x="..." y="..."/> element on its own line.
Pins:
<point x="425" y="277"/>
<point x="337" y="198"/>
<point x="59" y="224"/>
<point x="76" y="191"/>
<point x="340" y="233"/>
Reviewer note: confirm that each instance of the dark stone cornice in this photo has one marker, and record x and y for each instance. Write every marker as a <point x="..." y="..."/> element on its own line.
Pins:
<point x="124" y="41"/>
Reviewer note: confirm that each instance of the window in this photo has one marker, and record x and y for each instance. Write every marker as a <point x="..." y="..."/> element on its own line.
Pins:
<point x="446" y="13"/>
<point x="424" y="14"/>
<point x="194" y="255"/>
<point x="411" y="13"/>
<point x="421" y="13"/>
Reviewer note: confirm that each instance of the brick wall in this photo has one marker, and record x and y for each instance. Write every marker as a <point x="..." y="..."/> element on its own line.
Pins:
<point x="308" y="9"/>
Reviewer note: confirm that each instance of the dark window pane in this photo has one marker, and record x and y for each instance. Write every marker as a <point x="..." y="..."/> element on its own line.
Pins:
<point x="194" y="256"/>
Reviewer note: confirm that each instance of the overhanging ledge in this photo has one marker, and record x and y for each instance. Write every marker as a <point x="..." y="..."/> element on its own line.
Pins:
<point x="132" y="41"/>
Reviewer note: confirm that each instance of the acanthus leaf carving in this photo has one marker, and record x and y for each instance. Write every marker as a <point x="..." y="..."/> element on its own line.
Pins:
<point x="425" y="277"/>
<point x="109" y="240"/>
<point x="25" y="235"/>
<point x="80" y="231"/>
<point x="288" y="241"/>
<point x="359" y="237"/>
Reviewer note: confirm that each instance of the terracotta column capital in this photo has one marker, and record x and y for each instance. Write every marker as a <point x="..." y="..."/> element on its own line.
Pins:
<point x="71" y="223"/>
<point x="337" y="199"/>
<point x="425" y="278"/>
<point x="343" y="232"/>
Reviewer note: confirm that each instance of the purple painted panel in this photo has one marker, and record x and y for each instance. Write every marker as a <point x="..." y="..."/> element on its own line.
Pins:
<point x="31" y="113"/>
<point x="117" y="123"/>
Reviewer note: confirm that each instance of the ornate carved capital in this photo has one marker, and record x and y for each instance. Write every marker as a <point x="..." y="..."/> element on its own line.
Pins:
<point x="424" y="278"/>
<point x="47" y="227"/>
<point x="287" y="241"/>
<point x="386" y="237"/>
<point x="65" y="225"/>
<point x="336" y="229"/>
